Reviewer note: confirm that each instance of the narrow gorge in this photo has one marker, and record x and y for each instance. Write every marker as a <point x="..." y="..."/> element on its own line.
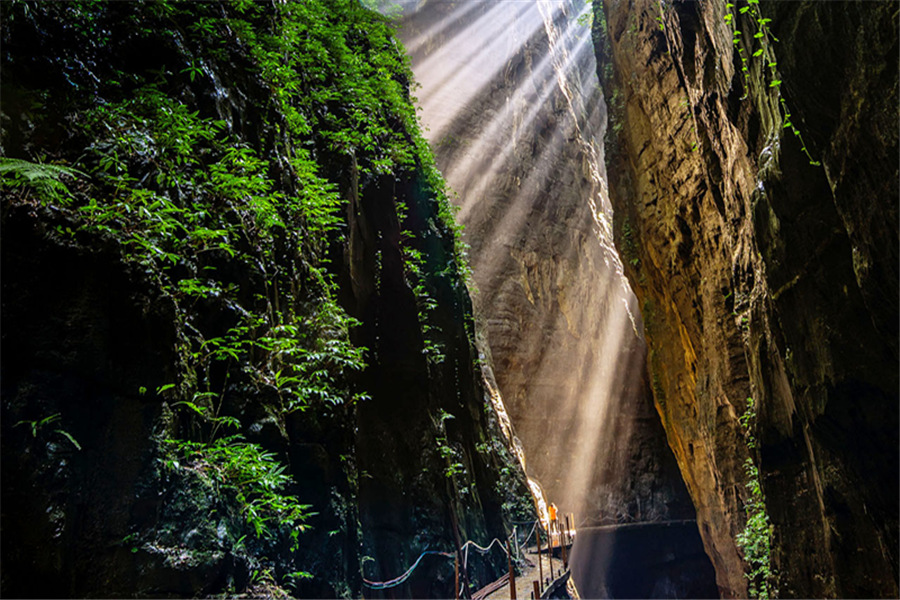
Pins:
<point x="334" y="298"/>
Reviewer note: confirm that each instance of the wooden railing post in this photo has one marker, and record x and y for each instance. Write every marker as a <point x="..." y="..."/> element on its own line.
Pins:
<point x="537" y="533"/>
<point x="512" y="575"/>
<point x="537" y="590"/>
<point x="550" y="548"/>
<point x="456" y="575"/>
<point x="562" y="545"/>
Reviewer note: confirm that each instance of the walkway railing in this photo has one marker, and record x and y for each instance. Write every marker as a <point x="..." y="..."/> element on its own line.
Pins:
<point x="563" y="535"/>
<point x="383" y="585"/>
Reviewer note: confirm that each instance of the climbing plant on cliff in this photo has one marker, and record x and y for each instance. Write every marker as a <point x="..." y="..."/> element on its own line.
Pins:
<point x="756" y="538"/>
<point x="211" y="147"/>
<point x="759" y="46"/>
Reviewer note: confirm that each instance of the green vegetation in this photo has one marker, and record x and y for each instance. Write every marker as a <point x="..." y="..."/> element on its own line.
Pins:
<point x="613" y="140"/>
<point x="586" y="17"/>
<point x="254" y="477"/>
<point x="630" y="248"/>
<point x="45" y="181"/>
<point x="451" y="455"/>
<point x="37" y="426"/>
<point x="763" y="39"/>
<point x="417" y="278"/>
<point x="756" y="539"/>
<point x="661" y="17"/>
<point x="228" y="198"/>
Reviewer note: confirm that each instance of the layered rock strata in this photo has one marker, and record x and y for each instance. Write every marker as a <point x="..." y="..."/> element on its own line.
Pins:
<point x="515" y="117"/>
<point x="764" y="275"/>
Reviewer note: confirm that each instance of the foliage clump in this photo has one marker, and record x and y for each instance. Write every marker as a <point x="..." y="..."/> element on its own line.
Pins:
<point x="761" y="45"/>
<point x="218" y="164"/>
<point x="254" y="476"/>
<point x="756" y="539"/>
<point x="45" y="180"/>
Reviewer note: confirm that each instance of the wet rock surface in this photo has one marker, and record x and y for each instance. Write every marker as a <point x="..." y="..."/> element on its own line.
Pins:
<point x="94" y="503"/>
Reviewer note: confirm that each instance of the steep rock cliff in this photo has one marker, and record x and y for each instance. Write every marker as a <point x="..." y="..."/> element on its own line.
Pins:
<point x="764" y="274"/>
<point x="513" y="111"/>
<point x="254" y="243"/>
<point x="509" y="97"/>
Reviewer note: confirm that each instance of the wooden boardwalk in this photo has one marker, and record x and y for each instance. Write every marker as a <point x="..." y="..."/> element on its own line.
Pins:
<point x="500" y="590"/>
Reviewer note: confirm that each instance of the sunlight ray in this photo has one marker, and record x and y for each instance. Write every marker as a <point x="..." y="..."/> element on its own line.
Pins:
<point x="513" y="109"/>
<point x="437" y="30"/>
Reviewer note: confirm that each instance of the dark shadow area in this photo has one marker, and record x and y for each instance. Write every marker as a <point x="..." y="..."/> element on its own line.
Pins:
<point x="642" y="560"/>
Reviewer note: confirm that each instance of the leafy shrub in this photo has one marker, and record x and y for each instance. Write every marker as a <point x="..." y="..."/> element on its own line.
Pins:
<point x="44" y="180"/>
<point x="226" y="197"/>
<point x="256" y="478"/>
<point x="756" y="538"/>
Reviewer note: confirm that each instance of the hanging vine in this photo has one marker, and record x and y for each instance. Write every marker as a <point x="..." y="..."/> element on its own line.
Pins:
<point x="763" y="38"/>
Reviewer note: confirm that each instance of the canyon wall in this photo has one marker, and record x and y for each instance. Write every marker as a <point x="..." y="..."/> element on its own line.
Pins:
<point x="515" y="117"/>
<point x="766" y="267"/>
<point x="238" y="349"/>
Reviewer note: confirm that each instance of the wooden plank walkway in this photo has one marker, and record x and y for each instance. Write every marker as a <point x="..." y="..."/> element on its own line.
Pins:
<point x="524" y="582"/>
<point x="491" y="588"/>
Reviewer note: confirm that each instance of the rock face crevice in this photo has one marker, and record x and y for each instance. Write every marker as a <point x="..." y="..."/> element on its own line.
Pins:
<point x="762" y="275"/>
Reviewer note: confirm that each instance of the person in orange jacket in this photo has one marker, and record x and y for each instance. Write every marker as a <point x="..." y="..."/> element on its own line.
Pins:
<point x="554" y="525"/>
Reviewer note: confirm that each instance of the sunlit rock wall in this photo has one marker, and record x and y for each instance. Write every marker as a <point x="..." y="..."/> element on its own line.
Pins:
<point x="510" y="99"/>
<point x="761" y="275"/>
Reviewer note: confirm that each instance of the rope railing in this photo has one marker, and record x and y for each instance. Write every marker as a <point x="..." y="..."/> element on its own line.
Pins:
<point x="481" y="549"/>
<point x="528" y="537"/>
<point x="383" y="585"/>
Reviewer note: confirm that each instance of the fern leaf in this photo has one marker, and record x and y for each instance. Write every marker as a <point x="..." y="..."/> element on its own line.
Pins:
<point x="43" y="179"/>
